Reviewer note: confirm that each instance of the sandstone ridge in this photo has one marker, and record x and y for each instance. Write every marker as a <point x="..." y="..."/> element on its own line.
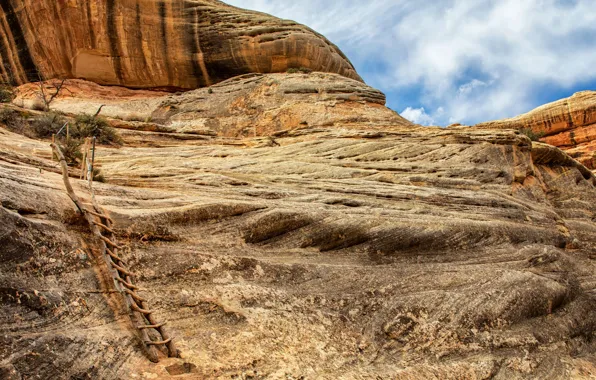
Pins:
<point x="154" y="44"/>
<point x="245" y="106"/>
<point x="569" y="124"/>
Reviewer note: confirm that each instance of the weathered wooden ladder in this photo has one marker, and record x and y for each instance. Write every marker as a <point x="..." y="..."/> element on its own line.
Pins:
<point x="102" y="227"/>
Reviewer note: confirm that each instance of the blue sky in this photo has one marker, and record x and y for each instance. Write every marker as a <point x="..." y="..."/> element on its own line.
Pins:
<point x="458" y="61"/>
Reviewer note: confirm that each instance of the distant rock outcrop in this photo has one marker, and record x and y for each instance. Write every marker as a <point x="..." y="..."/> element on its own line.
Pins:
<point x="154" y="44"/>
<point x="569" y="124"/>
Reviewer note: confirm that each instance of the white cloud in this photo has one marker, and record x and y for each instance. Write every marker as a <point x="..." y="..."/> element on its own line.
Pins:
<point x="478" y="59"/>
<point x="418" y="116"/>
<point x="466" y="89"/>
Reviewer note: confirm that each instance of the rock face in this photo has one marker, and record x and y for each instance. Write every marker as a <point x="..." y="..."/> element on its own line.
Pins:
<point x="154" y="44"/>
<point x="393" y="252"/>
<point x="250" y="105"/>
<point x="569" y="124"/>
<point x="288" y="226"/>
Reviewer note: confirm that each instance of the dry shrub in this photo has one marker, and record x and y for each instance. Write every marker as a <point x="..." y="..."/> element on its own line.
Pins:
<point x="98" y="127"/>
<point x="47" y="124"/>
<point x="534" y="136"/>
<point x="6" y="93"/>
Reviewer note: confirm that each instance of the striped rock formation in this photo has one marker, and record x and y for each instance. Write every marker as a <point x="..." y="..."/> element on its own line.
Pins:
<point x="247" y="105"/>
<point x="169" y="44"/>
<point x="569" y="124"/>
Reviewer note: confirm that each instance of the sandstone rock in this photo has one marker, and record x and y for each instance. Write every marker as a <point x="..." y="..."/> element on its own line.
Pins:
<point x="412" y="253"/>
<point x="154" y="44"/>
<point x="286" y="225"/>
<point x="249" y="105"/>
<point x="567" y="123"/>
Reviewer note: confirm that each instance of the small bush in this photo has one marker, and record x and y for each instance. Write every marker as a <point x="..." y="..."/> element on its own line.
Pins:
<point x="89" y="126"/>
<point x="8" y="114"/>
<point x="6" y="94"/>
<point x="534" y="136"/>
<point x="98" y="175"/>
<point x="210" y="91"/>
<point x="14" y="121"/>
<point x="47" y="124"/>
<point x="71" y="148"/>
<point x="38" y="105"/>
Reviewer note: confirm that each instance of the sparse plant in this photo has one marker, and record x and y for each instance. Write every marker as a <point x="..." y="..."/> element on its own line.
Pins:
<point x="14" y="121"/>
<point x="71" y="148"/>
<point x="210" y="91"/>
<point x="98" y="175"/>
<point x="48" y="124"/>
<point x="98" y="127"/>
<point x="6" y="93"/>
<point x="37" y="105"/>
<point x="7" y="114"/>
<point x="532" y="135"/>
<point x="48" y="91"/>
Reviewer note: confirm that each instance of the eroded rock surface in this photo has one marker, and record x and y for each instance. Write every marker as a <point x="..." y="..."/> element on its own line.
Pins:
<point x="154" y="44"/>
<point x="250" y="105"/>
<point x="415" y="253"/>
<point x="569" y="124"/>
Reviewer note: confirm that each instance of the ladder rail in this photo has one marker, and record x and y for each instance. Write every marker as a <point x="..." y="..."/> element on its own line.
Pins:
<point x="141" y="315"/>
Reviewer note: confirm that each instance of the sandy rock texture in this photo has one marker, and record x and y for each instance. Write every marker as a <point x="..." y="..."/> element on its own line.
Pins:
<point x="569" y="124"/>
<point x="154" y="44"/>
<point x="320" y="253"/>
<point x="245" y="106"/>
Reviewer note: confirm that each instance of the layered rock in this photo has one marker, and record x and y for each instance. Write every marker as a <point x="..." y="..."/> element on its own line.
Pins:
<point x="408" y="252"/>
<point x="569" y="124"/>
<point x="249" y="105"/>
<point x="154" y="44"/>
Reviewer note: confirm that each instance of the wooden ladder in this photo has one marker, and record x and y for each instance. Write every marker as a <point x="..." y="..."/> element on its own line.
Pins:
<point x="102" y="227"/>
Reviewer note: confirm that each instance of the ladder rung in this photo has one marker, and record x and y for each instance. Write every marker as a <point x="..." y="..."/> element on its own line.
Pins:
<point x="114" y="256"/>
<point x="127" y="284"/>
<point x="151" y="343"/>
<point x="123" y="270"/>
<point x="135" y="295"/>
<point x="142" y="311"/>
<point x="104" y="227"/>
<point x="108" y="241"/>
<point x="98" y="214"/>
<point x="152" y="326"/>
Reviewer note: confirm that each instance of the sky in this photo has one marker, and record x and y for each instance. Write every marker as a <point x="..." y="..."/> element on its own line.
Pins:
<point x="442" y="62"/>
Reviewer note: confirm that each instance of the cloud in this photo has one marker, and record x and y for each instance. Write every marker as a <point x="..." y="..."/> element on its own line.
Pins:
<point x="478" y="59"/>
<point x="418" y="116"/>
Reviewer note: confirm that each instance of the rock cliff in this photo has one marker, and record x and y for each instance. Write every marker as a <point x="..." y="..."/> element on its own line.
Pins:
<point x="569" y="124"/>
<point x="154" y="44"/>
<point x="319" y="251"/>
<point x="288" y="226"/>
